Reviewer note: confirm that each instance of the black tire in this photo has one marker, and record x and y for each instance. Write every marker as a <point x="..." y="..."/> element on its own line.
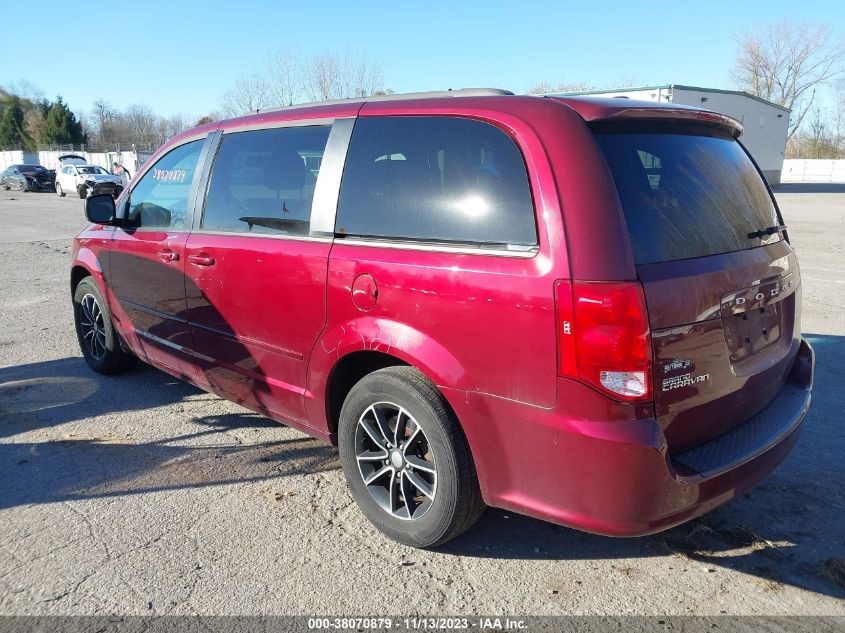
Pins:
<point x="106" y="356"/>
<point x="59" y="191"/>
<point x="22" y="186"/>
<point x="82" y="191"/>
<point x="456" y="504"/>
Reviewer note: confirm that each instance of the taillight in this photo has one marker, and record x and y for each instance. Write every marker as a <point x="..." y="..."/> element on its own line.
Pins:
<point x="604" y="338"/>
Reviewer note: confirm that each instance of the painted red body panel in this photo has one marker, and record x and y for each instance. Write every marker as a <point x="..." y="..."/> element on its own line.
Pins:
<point x="267" y="324"/>
<point x="254" y="316"/>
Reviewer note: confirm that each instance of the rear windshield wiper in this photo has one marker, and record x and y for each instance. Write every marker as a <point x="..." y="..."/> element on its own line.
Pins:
<point x="770" y="230"/>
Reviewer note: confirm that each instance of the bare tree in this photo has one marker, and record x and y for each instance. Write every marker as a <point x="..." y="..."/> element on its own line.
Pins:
<point x="248" y="95"/>
<point x="25" y="89"/>
<point x="839" y="117"/>
<point x="282" y="76"/>
<point x="331" y="76"/>
<point x="102" y="120"/>
<point x="320" y="77"/>
<point x="546" y="87"/>
<point x="171" y="126"/>
<point x="785" y="63"/>
<point x="142" y="123"/>
<point x="359" y="77"/>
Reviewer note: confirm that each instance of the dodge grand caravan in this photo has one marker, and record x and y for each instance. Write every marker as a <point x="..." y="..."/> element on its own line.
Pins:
<point x="583" y="310"/>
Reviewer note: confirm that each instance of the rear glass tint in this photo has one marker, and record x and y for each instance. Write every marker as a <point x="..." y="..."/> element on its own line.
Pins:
<point x="686" y="195"/>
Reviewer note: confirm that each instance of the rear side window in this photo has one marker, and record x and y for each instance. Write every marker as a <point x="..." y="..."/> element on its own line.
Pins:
<point x="440" y="179"/>
<point x="686" y="195"/>
<point x="263" y="181"/>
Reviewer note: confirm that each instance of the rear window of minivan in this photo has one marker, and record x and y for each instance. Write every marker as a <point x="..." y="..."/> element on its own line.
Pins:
<point x="686" y="191"/>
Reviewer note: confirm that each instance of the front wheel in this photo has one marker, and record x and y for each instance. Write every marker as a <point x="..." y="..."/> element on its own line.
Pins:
<point x="94" y="329"/>
<point x="82" y="190"/>
<point x="405" y="459"/>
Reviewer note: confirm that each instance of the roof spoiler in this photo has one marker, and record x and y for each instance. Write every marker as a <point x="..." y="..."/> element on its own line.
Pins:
<point x="728" y="124"/>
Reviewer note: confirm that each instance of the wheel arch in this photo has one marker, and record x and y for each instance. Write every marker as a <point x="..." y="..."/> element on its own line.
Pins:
<point x="346" y="353"/>
<point x="86" y="264"/>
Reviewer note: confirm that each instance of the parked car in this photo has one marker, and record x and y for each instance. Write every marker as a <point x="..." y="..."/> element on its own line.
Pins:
<point x="87" y="180"/>
<point x="583" y="310"/>
<point x="27" y="178"/>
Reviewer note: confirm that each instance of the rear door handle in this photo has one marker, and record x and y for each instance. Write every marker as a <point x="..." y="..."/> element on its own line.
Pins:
<point x="201" y="259"/>
<point x="168" y="256"/>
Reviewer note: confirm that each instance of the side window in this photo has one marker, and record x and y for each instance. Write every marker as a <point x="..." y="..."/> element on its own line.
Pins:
<point x="442" y="179"/>
<point x="263" y="181"/>
<point x="160" y="199"/>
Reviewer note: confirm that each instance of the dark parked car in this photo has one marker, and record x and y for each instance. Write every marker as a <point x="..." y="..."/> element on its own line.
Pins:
<point x="28" y="178"/>
<point x="584" y="310"/>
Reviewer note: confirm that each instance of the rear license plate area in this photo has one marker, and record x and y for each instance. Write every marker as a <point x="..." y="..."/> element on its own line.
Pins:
<point x="752" y="331"/>
<point x="752" y="318"/>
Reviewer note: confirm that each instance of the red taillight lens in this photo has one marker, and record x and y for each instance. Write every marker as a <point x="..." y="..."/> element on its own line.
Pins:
<point x="604" y="338"/>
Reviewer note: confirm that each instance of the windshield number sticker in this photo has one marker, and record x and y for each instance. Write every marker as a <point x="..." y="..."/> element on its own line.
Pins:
<point x="170" y="175"/>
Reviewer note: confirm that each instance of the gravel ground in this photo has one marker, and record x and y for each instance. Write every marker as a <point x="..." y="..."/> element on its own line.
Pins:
<point x="140" y="495"/>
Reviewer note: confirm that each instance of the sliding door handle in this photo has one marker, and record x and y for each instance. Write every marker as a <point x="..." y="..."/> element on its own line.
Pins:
<point x="201" y="259"/>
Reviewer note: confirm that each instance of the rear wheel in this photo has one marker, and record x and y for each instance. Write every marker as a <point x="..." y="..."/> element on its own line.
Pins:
<point x="405" y="459"/>
<point x="94" y="329"/>
<point x="21" y="185"/>
<point x="59" y="190"/>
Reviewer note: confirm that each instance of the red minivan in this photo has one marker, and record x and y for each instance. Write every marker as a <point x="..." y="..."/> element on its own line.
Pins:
<point x="583" y="310"/>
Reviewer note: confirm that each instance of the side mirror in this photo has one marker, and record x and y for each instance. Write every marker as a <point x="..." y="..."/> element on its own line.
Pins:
<point x="100" y="209"/>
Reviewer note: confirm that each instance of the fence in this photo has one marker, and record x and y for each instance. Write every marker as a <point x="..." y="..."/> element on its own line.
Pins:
<point x="813" y="170"/>
<point x="49" y="158"/>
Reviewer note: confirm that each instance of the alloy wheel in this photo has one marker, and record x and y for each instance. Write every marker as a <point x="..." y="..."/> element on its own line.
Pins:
<point x="92" y="326"/>
<point x="395" y="460"/>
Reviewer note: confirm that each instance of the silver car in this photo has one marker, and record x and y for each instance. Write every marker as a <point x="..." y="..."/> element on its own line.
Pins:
<point x="87" y="180"/>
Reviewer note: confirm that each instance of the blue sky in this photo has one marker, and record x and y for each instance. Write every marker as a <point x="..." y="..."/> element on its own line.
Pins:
<point x="180" y="56"/>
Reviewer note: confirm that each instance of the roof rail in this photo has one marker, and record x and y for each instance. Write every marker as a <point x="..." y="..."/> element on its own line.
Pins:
<point x="459" y="92"/>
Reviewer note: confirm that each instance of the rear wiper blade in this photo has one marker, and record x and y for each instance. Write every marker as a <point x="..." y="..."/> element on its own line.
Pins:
<point x="770" y="230"/>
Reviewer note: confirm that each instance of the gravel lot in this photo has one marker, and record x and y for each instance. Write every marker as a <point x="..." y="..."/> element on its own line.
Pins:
<point x="141" y="495"/>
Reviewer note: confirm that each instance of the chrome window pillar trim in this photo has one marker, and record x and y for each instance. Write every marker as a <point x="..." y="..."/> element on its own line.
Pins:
<point x="327" y="191"/>
<point x="200" y="186"/>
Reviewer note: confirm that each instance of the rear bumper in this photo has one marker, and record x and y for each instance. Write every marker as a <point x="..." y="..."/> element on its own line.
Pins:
<point x="604" y="467"/>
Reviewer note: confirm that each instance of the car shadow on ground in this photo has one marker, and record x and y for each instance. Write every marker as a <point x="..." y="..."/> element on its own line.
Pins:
<point x="74" y="464"/>
<point x="810" y="187"/>
<point x="787" y="530"/>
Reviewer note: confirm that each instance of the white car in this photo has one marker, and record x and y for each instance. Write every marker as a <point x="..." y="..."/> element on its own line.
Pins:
<point x="87" y="180"/>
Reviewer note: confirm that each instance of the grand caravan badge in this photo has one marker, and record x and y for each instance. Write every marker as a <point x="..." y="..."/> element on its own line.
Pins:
<point x="684" y="380"/>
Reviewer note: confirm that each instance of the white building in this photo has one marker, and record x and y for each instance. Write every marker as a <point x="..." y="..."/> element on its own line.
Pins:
<point x="765" y="124"/>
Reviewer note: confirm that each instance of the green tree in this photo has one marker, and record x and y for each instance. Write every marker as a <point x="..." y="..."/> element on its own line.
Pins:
<point x="61" y="125"/>
<point x="12" y="126"/>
